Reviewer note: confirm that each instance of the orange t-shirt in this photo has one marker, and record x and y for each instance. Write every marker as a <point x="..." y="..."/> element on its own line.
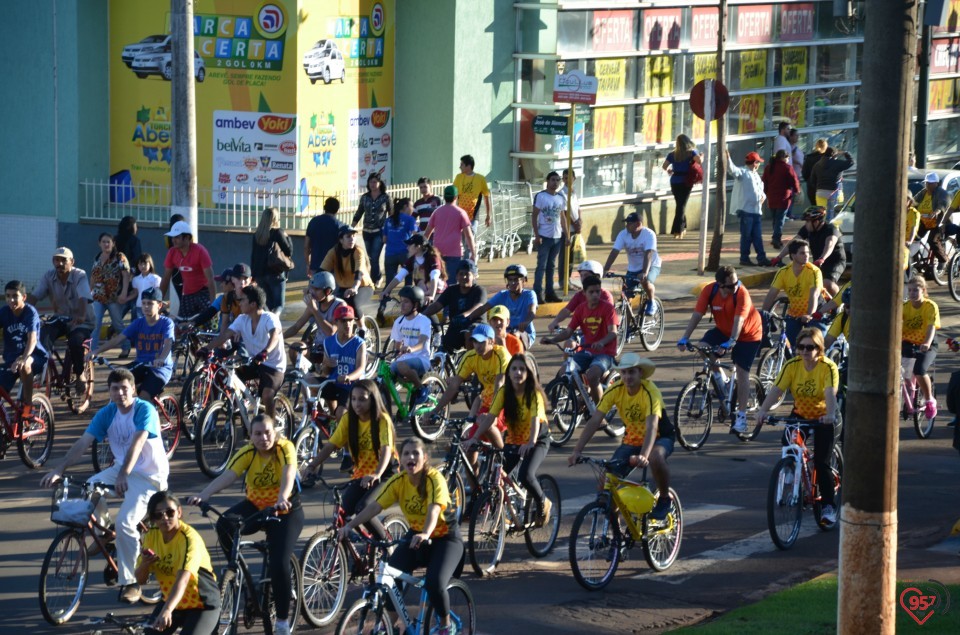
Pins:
<point x="726" y="309"/>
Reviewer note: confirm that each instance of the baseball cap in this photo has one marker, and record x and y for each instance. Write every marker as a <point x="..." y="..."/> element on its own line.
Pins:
<point x="499" y="311"/>
<point x="450" y="191"/>
<point x="415" y="239"/>
<point x="632" y="217"/>
<point x="152" y="293"/>
<point x="482" y="333"/>
<point x="344" y="312"/>
<point x="469" y="265"/>
<point x="931" y="178"/>
<point x="225" y="276"/>
<point x="753" y="157"/>
<point x="179" y="228"/>
<point x="63" y="252"/>
<point x="241" y="270"/>
<point x="344" y="230"/>
<point x="634" y="360"/>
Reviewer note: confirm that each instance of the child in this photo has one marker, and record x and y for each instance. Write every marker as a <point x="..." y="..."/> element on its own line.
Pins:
<point x="148" y="278"/>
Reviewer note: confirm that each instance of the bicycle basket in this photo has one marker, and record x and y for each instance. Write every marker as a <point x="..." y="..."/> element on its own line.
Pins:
<point x="71" y="505"/>
<point x="637" y="498"/>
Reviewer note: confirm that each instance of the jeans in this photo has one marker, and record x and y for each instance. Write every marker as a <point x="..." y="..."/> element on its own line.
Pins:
<point x="116" y="320"/>
<point x="452" y="263"/>
<point x="546" y="261"/>
<point x="750" y="234"/>
<point x="779" y="217"/>
<point x="393" y="262"/>
<point x="275" y="286"/>
<point x="374" y="245"/>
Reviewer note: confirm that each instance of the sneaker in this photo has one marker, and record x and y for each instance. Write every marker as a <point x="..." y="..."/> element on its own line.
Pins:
<point x="828" y="515"/>
<point x="661" y="509"/>
<point x="740" y="424"/>
<point x="650" y="309"/>
<point x="422" y="395"/>
<point x="79" y="386"/>
<point x="930" y="410"/>
<point x="450" y="629"/>
<point x="747" y="263"/>
<point x="544" y="517"/>
<point x="130" y="593"/>
<point x="281" y="628"/>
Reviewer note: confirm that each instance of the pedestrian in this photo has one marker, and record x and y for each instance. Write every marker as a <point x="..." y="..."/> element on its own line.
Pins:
<point x="782" y="140"/>
<point x="129" y="245"/>
<point x="176" y="279"/>
<point x="109" y="283"/>
<point x="272" y="278"/>
<point x="677" y="164"/>
<point x="146" y="279"/>
<point x="828" y="175"/>
<point x="374" y="208"/>
<point x="780" y="185"/>
<point x="567" y="260"/>
<point x="809" y="161"/>
<point x="427" y="204"/>
<point x="400" y="226"/>
<point x="747" y="200"/>
<point x="549" y="221"/>
<point x="321" y="236"/>
<point x="473" y="192"/>
<point x="446" y="226"/>
<point x="796" y="154"/>
<point x="193" y="262"/>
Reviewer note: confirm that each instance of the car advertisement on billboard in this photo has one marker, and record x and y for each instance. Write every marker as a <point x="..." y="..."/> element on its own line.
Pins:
<point x="253" y="153"/>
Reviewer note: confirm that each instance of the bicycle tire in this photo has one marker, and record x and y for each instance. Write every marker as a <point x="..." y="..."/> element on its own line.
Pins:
<point x="594" y="538"/>
<point x="542" y="539"/>
<point x="197" y="392"/>
<point x="35" y="436"/>
<point x="487" y="535"/>
<point x="784" y="507"/>
<point x="754" y="401"/>
<point x="424" y="426"/>
<point x="953" y="276"/>
<point x="371" y="343"/>
<point x="67" y="556"/>
<point x="101" y="455"/>
<point x="307" y="444"/>
<point x="230" y="601"/>
<point x="661" y="538"/>
<point x="693" y="414"/>
<point x="323" y="563"/>
<point x="295" y="389"/>
<point x="216" y="437"/>
<point x="78" y="404"/>
<point x="458" y="492"/>
<point x="285" y="417"/>
<point x="296" y="595"/>
<point x="366" y="617"/>
<point x="171" y="423"/>
<point x="768" y="367"/>
<point x="565" y="410"/>
<point x="463" y="611"/>
<point x="396" y="525"/>
<point x="651" y="327"/>
<point x="623" y="333"/>
<point x="921" y="424"/>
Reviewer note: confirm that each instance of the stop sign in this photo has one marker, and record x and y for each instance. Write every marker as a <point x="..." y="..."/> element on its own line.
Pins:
<point x="721" y="99"/>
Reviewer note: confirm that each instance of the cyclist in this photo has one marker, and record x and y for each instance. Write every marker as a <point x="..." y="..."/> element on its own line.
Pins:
<point x="586" y="268"/>
<point x="499" y="318"/>
<point x="802" y="282"/>
<point x="738" y="329"/>
<point x="227" y="304"/>
<point x="69" y="292"/>
<point x="649" y="435"/>
<point x="521" y="407"/>
<point x="152" y="335"/>
<point x="426" y="267"/>
<point x="320" y="307"/>
<point x="522" y="304"/>
<point x="921" y="319"/>
<point x="344" y="359"/>
<point x="350" y="266"/>
<point x="813" y="381"/>
<point x="367" y="430"/>
<point x="458" y="301"/>
<point x="23" y="355"/>
<point x="176" y="555"/>
<point x="841" y="325"/>
<point x="825" y="245"/>
<point x="932" y="202"/>
<point x="434" y="536"/>
<point x="643" y="261"/>
<point x="268" y="465"/>
<point x="411" y="339"/>
<point x="598" y="321"/>
<point x="140" y="467"/>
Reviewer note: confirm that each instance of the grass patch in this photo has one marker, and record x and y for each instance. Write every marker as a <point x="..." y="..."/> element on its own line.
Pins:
<point x="811" y="608"/>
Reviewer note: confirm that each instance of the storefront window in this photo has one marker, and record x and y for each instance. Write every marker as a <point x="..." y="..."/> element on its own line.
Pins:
<point x="648" y="172"/>
<point x="536" y="86"/>
<point x="537" y="34"/>
<point x="829" y="26"/>
<point x="943" y="136"/>
<point x="836" y="63"/>
<point x="596" y="31"/>
<point x="606" y="175"/>
<point x="833" y="106"/>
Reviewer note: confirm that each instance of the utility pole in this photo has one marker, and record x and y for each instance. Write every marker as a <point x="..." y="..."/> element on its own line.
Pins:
<point x="184" y="120"/>
<point x="923" y="86"/>
<point x="868" y="519"/>
<point x="713" y="263"/>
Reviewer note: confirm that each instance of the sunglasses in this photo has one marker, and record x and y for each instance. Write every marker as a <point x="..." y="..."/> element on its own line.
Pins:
<point x="807" y="347"/>
<point x="729" y="286"/>
<point x="167" y="513"/>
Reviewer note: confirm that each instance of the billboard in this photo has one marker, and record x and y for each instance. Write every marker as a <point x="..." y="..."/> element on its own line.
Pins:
<point x="253" y="152"/>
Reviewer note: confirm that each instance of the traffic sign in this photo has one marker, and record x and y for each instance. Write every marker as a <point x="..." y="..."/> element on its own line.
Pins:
<point x="551" y="125"/>
<point x="575" y="87"/>
<point x="721" y="99"/>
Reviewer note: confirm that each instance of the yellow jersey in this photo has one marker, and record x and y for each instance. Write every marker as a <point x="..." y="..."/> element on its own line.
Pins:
<point x="808" y="386"/>
<point x="633" y="409"/>
<point x="400" y="489"/>
<point x="366" y="460"/>
<point x="486" y="370"/>
<point x="186" y="552"/>
<point x="916" y="320"/>
<point x="469" y="189"/>
<point x="797" y="287"/>
<point x="518" y="423"/>
<point x="263" y="475"/>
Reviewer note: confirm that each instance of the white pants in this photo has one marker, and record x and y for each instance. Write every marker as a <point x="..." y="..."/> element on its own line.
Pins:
<point x="132" y="511"/>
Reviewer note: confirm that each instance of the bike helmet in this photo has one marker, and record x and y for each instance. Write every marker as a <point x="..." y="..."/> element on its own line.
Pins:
<point x="814" y="213"/>
<point x="323" y="280"/>
<point x="414" y="294"/>
<point x="846" y="296"/>
<point x="515" y="270"/>
<point x="592" y="266"/>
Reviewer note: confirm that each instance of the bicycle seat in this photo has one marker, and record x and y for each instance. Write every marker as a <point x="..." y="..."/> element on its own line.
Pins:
<point x="298" y="347"/>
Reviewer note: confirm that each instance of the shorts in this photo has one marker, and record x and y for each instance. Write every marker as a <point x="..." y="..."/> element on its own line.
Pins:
<point x="923" y="360"/>
<point x="336" y="392"/>
<point x="625" y="451"/>
<point x="195" y="303"/>
<point x="8" y="378"/>
<point x="743" y="353"/>
<point x="148" y="379"/>
<point x="420" y="365"/>
<point x="586" y="359"/>
<point x="267" y="376"/>
<point x="500" y="423"/>
<point x="633" y="279"/>
<point x="833" y="268"/>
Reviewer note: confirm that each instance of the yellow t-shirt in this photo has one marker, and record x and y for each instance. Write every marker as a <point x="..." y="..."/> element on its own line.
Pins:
<point x="186" y="552"/>
<point x="840" y="326"/>
<point x="263" y="475"/>
<point x="928" y="217"/>
<point x="469" y="189"/>
<point x="399" y="489"/>
<point x="798" y="288"/>
<point x="486" y="370"/>
<point x="359" y="261"/>
<point x="365" y="464"/>
<point x="518" y="423"/>
<point x="916" y="321"/>
<point x="913" y="221"/>
<point x="633" y="409"/>
<point x="807" y="386"/>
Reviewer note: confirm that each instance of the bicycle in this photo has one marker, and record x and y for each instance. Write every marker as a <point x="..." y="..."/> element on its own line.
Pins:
<point x="240" y="590"/>
<point x="693" y="411"/>
<point x="923" y="261"/>
<point x="911" y="398"/>
<point x="188" y="341"/>
<point x="648" y="327"/>
<point x="65" y="569"/>
<point x="794" y="485"/>
<point x="206" y="383"/>
<point x="462" y="480"/>
<point x="171" y="423"/>
<point x="58" y="378"/>
<point x="33" y="436"/>
<point x="606" y="529"/>
<point x="313" y="432"/>
<point x="503" y="506"/>
<point x="771" y="361"/>
<point x="329" y="564"/>
<point x="131" y="625"/>
<point x="370" y="613"/>
<point x="416" y="411"/>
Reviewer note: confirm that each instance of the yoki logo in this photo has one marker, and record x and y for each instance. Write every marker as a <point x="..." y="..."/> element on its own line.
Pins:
<point x="273" y="124"/>
<point x="379" y="118"/>
<point x="922" y="599"/>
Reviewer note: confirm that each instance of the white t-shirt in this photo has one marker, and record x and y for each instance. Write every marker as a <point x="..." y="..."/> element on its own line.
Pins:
<point x="119" y="429"/>
<point x="781" y="143"/>
<point x="143" y="282"/>
<point x="552" y="207"/>
<point x="257" y="341"/>
<point x="574" y="204"/>
<point x="409" y="331"/>
<point x="637" y="248"/>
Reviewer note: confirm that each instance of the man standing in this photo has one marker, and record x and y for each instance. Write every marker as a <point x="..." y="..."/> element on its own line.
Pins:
<point x="576" y="223"/>
<point x="427" y="203"/>
<point x="549" y="220"/>
<point x="473" y="191"/>
<point x="193" y="262"/>
<point x="643" y="261"/>
<point x="747" y="200"/>
<point x="23" y="355"/>
<point x="447" y="225"/>
<point x="321" y="236"/>
<point x="782" y="140"/>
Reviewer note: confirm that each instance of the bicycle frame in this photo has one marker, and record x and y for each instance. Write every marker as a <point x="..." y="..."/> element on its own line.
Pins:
<point x="386" y="583"/>
<point x="612" y="487"/>
<point x="725" y="394"/>
<point x="804" y="475"/>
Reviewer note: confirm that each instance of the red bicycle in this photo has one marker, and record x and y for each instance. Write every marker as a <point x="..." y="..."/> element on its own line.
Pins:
<point x="34" y="435"/>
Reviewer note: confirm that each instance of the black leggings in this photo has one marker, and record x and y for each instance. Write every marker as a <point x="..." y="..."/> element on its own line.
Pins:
<point x="357" y="301"/>
<point x="528" y="466"/>
<point x="354" y="499"/>
<point x="923" y="361"/>
<point x="824" y="435"/>
<point x="442" y="558"/>
<point x="681" y="193"/>
<point x="193" y="621"/>
<point x="282" y="537"/>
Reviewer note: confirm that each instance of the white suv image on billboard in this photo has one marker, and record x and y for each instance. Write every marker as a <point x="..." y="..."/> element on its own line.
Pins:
<point x="324" y="61"/>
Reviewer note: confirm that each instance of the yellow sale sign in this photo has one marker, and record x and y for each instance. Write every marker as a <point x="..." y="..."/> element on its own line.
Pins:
<point x="704" y="67"/>
<point x="794" y="69"/>
<point x="753" y="74"/>
<point x="658" y="82"/>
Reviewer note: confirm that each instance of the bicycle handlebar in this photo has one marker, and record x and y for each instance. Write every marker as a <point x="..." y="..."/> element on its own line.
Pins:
<point x="775" y="420"/>
<point x="719" y="351"/>
<point x="269" y="513"/>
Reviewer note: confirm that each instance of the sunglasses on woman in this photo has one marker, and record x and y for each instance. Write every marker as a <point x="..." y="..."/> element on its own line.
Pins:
<point x="166" y="513"/>
<point x="807" y="347"/>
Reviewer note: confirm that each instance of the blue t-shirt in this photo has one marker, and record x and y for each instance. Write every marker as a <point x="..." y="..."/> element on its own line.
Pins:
<point x="680" y="168"/>
<point x="396" y="234"/>
<point x="322" y="231"/>
<point x="148" y="340"/>
<point x="16" y="328"/>
<point x="344" y="355"/>
<point x="518" y="308"/>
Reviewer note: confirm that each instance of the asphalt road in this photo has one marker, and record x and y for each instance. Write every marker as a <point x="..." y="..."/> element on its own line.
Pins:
<point x="727" y="558"/>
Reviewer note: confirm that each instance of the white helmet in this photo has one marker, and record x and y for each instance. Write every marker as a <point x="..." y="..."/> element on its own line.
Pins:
<point x="592" y="266"/>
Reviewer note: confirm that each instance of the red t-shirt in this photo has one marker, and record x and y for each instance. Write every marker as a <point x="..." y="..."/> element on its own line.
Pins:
<point x="448" y="222"/>
<point x="581" y="298"/>
<point x="723" y="312"/>
<point x="191" y="266"/>
<point x="595" y="324"/>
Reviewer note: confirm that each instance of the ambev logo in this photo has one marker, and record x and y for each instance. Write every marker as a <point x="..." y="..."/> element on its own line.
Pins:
<point x="379" y="118"/>
<point x="273" y="124"/>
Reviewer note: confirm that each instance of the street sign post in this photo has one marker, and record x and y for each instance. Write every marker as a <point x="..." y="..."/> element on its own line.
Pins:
<point x="709" y="100"/>
<point x="550" y="125"/>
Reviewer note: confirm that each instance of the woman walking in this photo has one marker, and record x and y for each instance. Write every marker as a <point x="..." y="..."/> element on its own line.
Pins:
<point x="273" y="281"/>
<point x="678" y="164"/>
<point x="373" y="209"/>
<point x="110" y="281"/>
<point x="396" y="230"/>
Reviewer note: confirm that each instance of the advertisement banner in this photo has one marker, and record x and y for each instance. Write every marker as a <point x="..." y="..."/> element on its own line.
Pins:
<point x="661" y="29"/>
<point x="611" y="79"/>
<point x="945" y="56"/>
<point x="370" y="139"/>
<point x="796" y="22"/>
<point x="658" y="82"/>
<point x="613" y="30"/>
<point x="952" y="24"/>
<point x="794" y="69"/>
<point x="705" y="27"/>
<point x="753" y="74"/>
<point x="608" y="127"/>
<point x="945" y="96"/>
<point x="704" y="67"/>
<point x="254" y="152"/>
<point x="755" y="24"/>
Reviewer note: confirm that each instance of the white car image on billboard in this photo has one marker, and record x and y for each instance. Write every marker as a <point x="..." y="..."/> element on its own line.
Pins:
<point x="149" y="43"/>
<point x="160" y="62"/>
<point x="324" y="61"/>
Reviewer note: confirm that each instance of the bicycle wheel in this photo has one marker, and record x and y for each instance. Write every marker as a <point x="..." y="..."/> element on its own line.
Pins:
<point x="63" y="577"/>
<point x="487" y="537"/>
<point x="101" y="454"/>
<point x="566" y="410"/>
<point x="769" y="367"/>
<point x="651" y="331"/>
<point x="424" y="426"/>
<point x="693" y="413"/>
<point x="785" y="503"/>
<point x="286" y="417"/>
<point x="594" y="547"/>
<point x="623" y="333"/>
<point x="463" y="613"/>
<point x="307" y="443"/>
<point x="325" y="576"/>
<point x="754" y="400"/>
<point x="370" y="334"/>
<point x="921" y="423"/>
<point x="613" y="427"/>
<point x="396" y="525"/>
<point x="170" y="423"/>
<point x="458" y="493"/>
<point x="216" y="436"/>
<point x="662" y="538"/>
<point x="541" y="539"/>
<point x="199" y="389"/>
<point x="953" y="276"/>
<point x="230" y="602"/>
<point x="35" y="440"/>
<point x="296" y="595"/>
<point x="366" y="617"/>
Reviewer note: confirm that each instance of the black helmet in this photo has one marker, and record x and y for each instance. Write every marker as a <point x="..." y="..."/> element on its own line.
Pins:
<point x="814" y="213"/>
<point x="414" y="294"/>
<point x="845" y="297"/>
<point x="515" y="270"/>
